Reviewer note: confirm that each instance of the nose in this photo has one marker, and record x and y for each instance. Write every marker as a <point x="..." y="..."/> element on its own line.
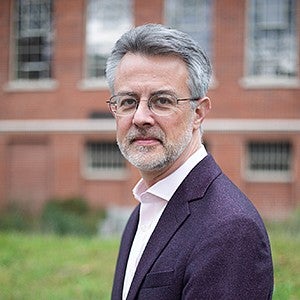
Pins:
<point x="143" y="116"/>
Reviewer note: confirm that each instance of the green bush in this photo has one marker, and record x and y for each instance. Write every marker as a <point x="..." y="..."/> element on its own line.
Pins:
<point x="69" y="216"/>
<point x="59" y="216"/>
<point x="76" y="205"/>
<point x="14" y="217"/>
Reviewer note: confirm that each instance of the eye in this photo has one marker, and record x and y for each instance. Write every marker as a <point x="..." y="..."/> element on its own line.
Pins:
<point x="163" y="101"/>
<point x="127" y="102"/>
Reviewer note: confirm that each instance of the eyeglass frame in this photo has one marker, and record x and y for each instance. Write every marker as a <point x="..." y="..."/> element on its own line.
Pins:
<point x="110" y="104"/>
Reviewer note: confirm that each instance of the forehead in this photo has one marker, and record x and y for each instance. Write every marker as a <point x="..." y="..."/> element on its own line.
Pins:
<point x="141" y="73"/>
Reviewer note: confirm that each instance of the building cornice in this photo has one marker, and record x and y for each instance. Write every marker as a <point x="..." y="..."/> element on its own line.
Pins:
<point x="108" y="125"/>
<point x="57" y="126"/>
<point x="252" y="125"/>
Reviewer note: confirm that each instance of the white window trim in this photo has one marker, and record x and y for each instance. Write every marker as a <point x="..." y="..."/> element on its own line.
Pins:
<point x="90" y="173"/>
<point x="24" y="84"/>
<point x="265" y="176"/>
<point x="104" y="175"/>
<point x="193" y="26"/>
<point x="31" y="85"/>
<point x="268" y="176"/>
<point x="262" y="82"/>
<point x="93" y="84"/>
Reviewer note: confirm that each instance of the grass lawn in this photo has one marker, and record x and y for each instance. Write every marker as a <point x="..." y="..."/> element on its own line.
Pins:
<point x="53" y="267"/>
<point x="286" y="258"/>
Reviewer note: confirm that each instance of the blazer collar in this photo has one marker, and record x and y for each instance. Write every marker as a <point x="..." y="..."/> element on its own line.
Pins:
<point x="175" y="213"/>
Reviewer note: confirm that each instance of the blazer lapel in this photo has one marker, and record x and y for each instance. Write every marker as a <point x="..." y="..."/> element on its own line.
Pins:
<point x="173" y="216"/>
<point x="125" y="247"/>
<point x="176" y="212"/>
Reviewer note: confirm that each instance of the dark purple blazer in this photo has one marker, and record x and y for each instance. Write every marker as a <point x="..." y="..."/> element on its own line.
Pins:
<point x="210" y="243"/>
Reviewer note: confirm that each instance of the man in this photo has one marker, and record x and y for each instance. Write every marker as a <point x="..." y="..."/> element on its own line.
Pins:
<point x="194" y="234"/>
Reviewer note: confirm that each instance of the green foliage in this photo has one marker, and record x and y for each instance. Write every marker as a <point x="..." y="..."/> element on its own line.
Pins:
<point x="59" y="216"/>
<point x="16" y="218"/>
<point x="69" y="216"/>
<point x="75" y="205"/>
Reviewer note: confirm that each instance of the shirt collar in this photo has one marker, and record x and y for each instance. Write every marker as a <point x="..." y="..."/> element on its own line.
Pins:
<point x="165" y="188"/>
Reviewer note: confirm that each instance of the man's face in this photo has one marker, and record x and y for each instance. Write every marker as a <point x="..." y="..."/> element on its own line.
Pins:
<point x="150" y="142"/>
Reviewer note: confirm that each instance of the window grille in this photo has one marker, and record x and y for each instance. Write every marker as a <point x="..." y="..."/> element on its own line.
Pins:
<point x="193" y="17"/>
<point x="33" y="39"/>
<point x="104" y="158"/>
<point x="272" y="48"/>
<point x="270" y="159"/>
<point x="106" y="21"/>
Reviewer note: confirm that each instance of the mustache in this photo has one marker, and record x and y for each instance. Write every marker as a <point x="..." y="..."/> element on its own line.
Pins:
<point x="137" y="133"/>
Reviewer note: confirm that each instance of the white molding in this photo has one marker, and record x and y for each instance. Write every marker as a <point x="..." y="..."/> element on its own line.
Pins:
<point x="93" y="84"/>
<point x="109" y="126"/>
<point x="31" y="85"/>
<point x="109" y="174"/>
<point x="263" y="82"/>
<point x="60" y="126"/>
<point x="252" y="125"/>
<point x="268" y="176"/>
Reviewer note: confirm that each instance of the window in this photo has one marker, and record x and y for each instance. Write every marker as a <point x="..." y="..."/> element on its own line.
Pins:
<point x="272" y="50"/>
<point x="193" y="17"/>
<point x="104" y="160"/>
<point x="33" y="39"/>
<point x="269" y="160"/>
<point x="106" y="21"/>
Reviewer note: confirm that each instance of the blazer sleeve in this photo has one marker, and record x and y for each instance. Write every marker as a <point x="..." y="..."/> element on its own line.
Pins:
<point x="234" y="263"/>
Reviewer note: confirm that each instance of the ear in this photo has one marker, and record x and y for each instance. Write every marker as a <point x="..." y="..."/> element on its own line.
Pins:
<point x="204" y="106"/>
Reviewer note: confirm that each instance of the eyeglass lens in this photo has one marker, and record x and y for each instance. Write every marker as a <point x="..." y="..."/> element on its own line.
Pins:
<point x="159" y="104"/>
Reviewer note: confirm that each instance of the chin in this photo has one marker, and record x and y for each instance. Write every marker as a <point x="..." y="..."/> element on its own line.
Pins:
<point x="151" y="163"/>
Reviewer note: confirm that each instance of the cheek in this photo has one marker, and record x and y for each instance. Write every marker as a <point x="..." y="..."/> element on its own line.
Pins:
<point x="123" y="126"/>
<point x="175" y="128"/>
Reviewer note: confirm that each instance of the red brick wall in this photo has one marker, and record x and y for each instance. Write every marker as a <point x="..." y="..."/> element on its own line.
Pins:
<point x="28" y="170"/>
<point x="229" y="99"/>
<point x="68" y="101"/>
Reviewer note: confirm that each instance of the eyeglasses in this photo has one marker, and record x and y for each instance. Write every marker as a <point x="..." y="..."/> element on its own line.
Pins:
<point x="160" y="104"/>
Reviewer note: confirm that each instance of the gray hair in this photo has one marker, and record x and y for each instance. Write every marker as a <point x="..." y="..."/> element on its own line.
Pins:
<point x="156" y="39"/>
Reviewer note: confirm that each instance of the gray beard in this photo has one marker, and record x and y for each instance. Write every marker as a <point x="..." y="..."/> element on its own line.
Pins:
<point x="140" y="156"/>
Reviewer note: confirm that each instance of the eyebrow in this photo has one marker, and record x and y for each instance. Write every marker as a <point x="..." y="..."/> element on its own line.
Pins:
<point x="163" y="92"/>
<point x="127" y="94"/>
<point x="159" y="92"/>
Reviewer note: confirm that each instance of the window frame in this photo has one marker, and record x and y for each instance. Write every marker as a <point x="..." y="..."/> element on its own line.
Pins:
<point x="16" y="84"/>
<point x="103" y="173"/>
<point x="210" y="33"/>
<point x="265" y="175"/>
<point x="93" y="82"/>
<point x="267" y="81"/>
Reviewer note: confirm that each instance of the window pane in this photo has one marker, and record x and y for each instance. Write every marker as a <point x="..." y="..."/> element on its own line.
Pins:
<point x="272" y="38"/>
<point x="106" y="21"/>
<point x="103" y="156"/>
<point x="193" y="17"/>
<point x="33" y="39"/>
<point x="269" y="157"/>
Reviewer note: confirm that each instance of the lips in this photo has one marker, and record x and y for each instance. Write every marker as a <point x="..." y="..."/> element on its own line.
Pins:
<point x="146" y="141"/>
<point x="145" y="137"/>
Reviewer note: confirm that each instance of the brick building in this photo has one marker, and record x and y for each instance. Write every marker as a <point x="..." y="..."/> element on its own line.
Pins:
<point x="57" y="137"/>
